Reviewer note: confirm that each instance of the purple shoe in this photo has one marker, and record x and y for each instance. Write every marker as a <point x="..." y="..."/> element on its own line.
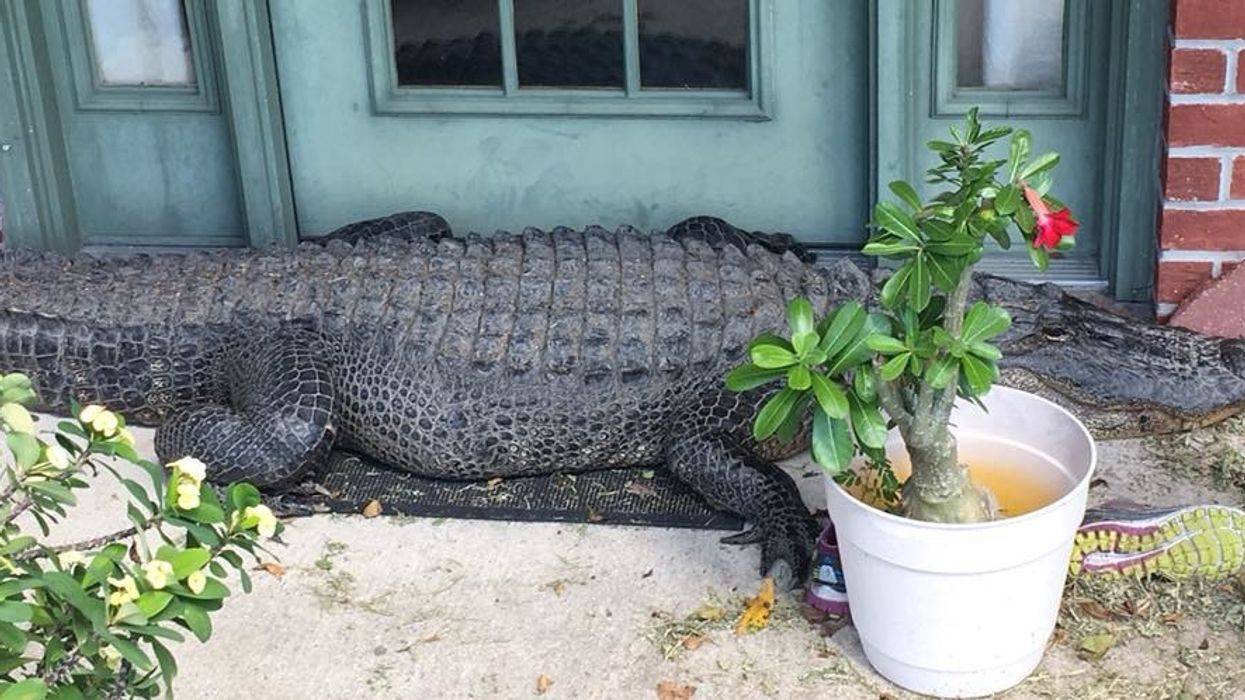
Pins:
<point x="828" y="591"/>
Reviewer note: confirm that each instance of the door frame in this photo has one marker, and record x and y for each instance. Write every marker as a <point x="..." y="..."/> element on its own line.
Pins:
<point x="38" y="194"/>
<point x="34" y="168"/>
<point x="1131" y="188"/>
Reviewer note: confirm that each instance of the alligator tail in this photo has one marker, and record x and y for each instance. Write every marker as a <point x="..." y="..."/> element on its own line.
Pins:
<point x="717" y="232"/>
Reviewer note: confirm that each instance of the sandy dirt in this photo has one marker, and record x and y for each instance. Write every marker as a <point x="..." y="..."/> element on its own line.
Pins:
<point x="400" y="607"/>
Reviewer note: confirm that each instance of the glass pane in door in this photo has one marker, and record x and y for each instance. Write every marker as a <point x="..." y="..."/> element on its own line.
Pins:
<point x="1010" y="45"/>
<point x="141" y="42"/>
<point x="694" y="44"/>
<point x="569" y="43"/>
<point x="447" y="42"/>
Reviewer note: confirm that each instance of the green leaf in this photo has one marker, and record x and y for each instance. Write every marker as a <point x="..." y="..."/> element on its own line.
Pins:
<point x="986" y="351"/>
<point x="1024" y="219"/>
<point x="129" y="651"/>
<point x="54" y="490"/>
<point x="893" y="289"/>
<point x="944" y="271"/>
<point x="804" y="342"/>
<point x="1040" y="257"/>
<point x="243" y="495"/>
<point x="857" y="350"/>
<point x="742" y="378"/>
<point x="980" y="375"/>
<point x="884" y="248"/>
<point x="168" y="665"/>
<point x="768" y="356"/>
<point x="918" y="285"/>
<point x="800" y="317"/>
<point x="961" y="244"/>
<point x="897" y="221"/>
<point x="905" y="192"/>
<point x="886" y="345"/>
<point x="832" y="444"/>
<point x="862" y="384"/>
<point x="895" y="366"/>
<point x="152" y="602"/>
<point x="983" y="322"/>
<point x="1017" y="153"/>
<point x="940" y="146"/>
<point x="12" y="611"/>
<point x="26" y="449"/>
<point x="197" y="622"/>
<point x="29" y="689"/>
<point x="12" y="638"/>
<point x="868" y="423"/>
<point x="799" y="378"/>
<point x="1007" y="200"/>
<point x="773" y="413"/>
<point x="785" y="434"/>
<point x="841" y="327"/>
<point x="829" y="396"/>
<point x="69" y="590"/>
<point x="1041" y="164"/>
<point x="941" y="373"/>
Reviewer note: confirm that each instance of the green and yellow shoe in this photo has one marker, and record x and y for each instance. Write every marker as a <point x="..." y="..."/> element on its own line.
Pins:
<point x="1126" y="538"/>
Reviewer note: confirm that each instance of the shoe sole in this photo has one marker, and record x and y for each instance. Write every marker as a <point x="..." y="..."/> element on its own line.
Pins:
<point x="1207" y="541"/>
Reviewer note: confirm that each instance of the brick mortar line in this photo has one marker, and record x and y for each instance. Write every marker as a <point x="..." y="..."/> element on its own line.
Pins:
<point x="1201" y="256"/>
<point x="1194" y="205"/>
<point x="1205" y="151"/>
<point x="1220" y="44"/>
<point x="1225" y="178"/>
<point x="1229" y="72"/>
<point x="1207" y="98"/>
<point x="1163" y="309"/>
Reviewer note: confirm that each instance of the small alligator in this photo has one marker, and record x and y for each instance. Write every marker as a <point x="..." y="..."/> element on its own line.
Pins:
<point x="562" y="351"/>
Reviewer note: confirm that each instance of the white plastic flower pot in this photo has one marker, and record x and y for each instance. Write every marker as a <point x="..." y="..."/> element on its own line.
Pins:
<point x="967" y="610"/>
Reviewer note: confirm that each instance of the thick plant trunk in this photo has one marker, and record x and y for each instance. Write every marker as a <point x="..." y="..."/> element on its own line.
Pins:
<point x="939" y="489"/>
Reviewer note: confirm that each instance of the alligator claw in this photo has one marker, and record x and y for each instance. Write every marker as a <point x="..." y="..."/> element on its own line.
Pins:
<point x="752" y="535"/>
<point x="787" y="548"/>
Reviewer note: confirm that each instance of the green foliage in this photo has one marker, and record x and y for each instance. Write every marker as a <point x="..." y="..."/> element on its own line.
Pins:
<point x="96" y="619"/>
<point x="912" y="361"/>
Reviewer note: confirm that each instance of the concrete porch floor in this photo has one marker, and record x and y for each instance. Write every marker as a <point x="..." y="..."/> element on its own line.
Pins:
<point x="399" y="607"/>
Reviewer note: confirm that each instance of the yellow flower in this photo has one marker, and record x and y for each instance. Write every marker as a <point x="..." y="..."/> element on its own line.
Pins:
<point x="125" y="590"/>
<point x="158" y="572"/>
<point x="189" y="467"/>
<point x="266" y="522"/>
<point x="70" y="559"/>
<point x="100" y="419"/>
<point x="17" y="418"/>
<point x="196" y="581"/>
<point x="187" y="495"/>
<point x="55" y="455"/>
<point x="112" y="657"/>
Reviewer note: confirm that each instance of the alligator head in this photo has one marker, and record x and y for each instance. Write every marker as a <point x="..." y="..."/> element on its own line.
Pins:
<point x="1123" y="377"/>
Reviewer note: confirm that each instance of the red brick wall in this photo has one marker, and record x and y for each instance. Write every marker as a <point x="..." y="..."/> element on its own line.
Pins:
<point x="1202" y="227"/>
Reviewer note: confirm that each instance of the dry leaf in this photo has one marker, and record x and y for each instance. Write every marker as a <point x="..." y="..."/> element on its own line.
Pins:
<point x="594" y="516"/>
<point x="372" y="509"/>
<point x="1171" y="618"/>
<point x="756" y="617"/>
<point x="1096" y="610"/>
<point x="272" y="567"/>
<point x="669" y="690"/>
<point x="558" y="587"/>
<point x="1138" y="608"/>
<point x="641" y="489"/>
<point x="693" y="641"/>
<point x="708" y="612"/>
<point x="1095" y="646"/>
<point x="494" y="482"/>
<point x="542" y="684"/>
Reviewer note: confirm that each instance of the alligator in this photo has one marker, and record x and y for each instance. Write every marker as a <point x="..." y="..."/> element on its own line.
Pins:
<point x="521" y="354"/>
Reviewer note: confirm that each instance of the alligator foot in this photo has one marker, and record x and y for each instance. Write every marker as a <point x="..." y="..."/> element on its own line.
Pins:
<point x="759" y="491"/>
<point x="1126" y="538"/>
<point x="277" y="423"/>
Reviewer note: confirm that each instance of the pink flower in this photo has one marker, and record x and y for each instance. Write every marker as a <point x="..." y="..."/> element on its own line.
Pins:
<point x="1051" y="226"/>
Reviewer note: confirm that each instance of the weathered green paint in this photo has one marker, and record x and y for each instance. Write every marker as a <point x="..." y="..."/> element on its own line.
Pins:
<point x="509" y="100"/>
<point x="162" y="176"/>
<point x="255" y="121"/>
<point x="90" y="94"/>
<point x="34" y="174"/>
<point x="1104" y="147"/>
<point x="804" y="171"/>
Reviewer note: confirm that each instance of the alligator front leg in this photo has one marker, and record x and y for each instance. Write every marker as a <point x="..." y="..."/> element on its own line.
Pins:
<point x="761" y="492"/>
<point x="277" y="423"/>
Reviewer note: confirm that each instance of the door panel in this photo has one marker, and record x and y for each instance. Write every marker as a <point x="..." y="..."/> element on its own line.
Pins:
<point x="800" y="165"/>
<point x="149" y="151"/>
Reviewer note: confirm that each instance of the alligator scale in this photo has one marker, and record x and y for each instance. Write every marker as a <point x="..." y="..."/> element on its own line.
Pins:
<point x="509" y="355"/>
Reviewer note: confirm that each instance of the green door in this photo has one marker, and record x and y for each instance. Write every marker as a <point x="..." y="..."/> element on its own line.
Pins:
<point x="147" y="147"/>
<point x="1053" y="67"/>
<point x="511" y="113"/>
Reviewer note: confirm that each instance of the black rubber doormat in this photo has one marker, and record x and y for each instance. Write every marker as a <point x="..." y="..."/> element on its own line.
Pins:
<point x="615" y="496"/>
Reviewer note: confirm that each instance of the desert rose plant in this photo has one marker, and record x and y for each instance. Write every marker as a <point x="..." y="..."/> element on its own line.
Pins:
<point x="96" y="619"/>
<point x="926" y="346"/>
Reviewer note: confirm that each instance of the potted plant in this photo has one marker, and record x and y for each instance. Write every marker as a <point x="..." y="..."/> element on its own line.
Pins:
<point x="952" y="590"/>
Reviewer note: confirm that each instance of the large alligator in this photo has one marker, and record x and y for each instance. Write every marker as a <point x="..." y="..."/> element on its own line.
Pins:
<point x="519" y="354"/>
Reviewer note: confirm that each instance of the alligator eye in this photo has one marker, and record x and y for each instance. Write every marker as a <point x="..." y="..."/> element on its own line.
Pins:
<point x="1055" y="334"/>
